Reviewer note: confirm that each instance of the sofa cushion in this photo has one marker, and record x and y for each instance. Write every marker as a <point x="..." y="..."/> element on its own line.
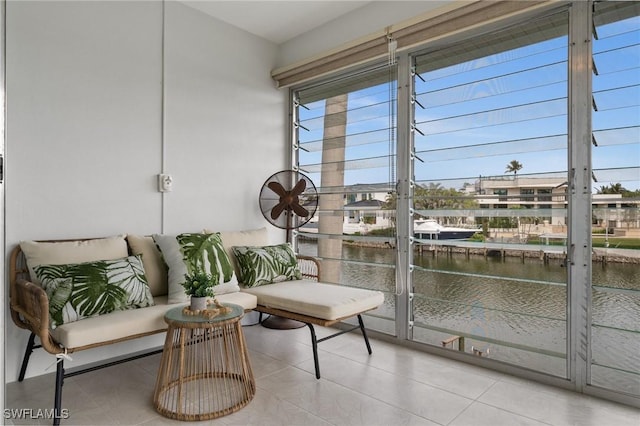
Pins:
<point x="122" y="324"/>
<point x="189" y="253"/>
<point x="250" y="237"/>
<point x="246" y="300"/>
<point x="81" y="290"/>
<point x="266" y="264"/>
<point x="154" y="267"/>
<point x="64" y="252"/>
<point x="113" y="326"/>
<point x="320" y="300"/>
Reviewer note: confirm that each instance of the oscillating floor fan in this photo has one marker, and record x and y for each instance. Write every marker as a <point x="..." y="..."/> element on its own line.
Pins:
<point x="288" y="199"/>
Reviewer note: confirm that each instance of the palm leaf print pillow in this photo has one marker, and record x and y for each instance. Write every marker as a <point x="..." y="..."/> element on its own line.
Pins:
<point x="193" y="252"/>
<point x="83" y="290"/>
<point x="266" y="265"/>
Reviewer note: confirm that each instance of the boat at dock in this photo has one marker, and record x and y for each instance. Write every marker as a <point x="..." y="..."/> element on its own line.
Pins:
<point x="429" y="229"/>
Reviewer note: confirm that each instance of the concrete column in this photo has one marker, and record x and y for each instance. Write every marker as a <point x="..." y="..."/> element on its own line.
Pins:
<point x="332" y="179"/>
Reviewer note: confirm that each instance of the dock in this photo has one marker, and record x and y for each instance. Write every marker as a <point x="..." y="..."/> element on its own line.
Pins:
<point x="491" y="249"/>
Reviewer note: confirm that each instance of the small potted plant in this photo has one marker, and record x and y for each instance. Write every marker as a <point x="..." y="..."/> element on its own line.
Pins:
<point x="198" y="285"/>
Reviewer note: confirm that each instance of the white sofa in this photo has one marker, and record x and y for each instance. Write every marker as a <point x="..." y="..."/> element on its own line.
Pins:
<point x="305" y="299"/>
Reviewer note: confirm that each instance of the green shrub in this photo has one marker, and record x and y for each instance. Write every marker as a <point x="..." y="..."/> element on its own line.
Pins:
<point x="477" y="237"/>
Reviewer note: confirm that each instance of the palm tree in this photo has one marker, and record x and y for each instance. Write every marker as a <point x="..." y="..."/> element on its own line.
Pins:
<point x="614" y="188"/>
<point x="514" y="166"/>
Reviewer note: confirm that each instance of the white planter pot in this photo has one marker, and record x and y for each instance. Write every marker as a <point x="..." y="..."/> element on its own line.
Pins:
<point x="198" y="303"/>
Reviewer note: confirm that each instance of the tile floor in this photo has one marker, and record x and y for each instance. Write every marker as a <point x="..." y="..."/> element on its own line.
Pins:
<point x="394" y="386"/>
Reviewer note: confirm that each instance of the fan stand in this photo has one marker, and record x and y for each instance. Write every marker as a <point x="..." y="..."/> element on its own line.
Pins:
<point x="275" y="322"/>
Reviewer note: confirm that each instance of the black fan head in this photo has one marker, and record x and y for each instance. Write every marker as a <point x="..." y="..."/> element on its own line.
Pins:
<point x="288" y="199"/>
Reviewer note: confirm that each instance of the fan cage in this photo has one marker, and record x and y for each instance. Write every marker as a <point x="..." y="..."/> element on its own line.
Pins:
<point x="269" y="199"/>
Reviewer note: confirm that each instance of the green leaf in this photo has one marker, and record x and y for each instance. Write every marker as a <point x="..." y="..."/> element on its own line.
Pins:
<point x="77" y="291"/>
<point x="58" y="288"/>
<point x="128" y="274"/>
<point x="59" y="293"/>
<point x="205" y="253"/>
<point x="265" y="265"/>
<point x="92" y="294"/>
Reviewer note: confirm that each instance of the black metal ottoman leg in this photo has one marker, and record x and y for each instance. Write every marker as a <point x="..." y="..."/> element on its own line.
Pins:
<point x="364" y="334"/>
<point x="314" y="343"/>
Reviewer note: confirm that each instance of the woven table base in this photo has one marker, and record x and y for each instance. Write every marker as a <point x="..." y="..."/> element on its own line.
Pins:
<point x="190" y="401"/>
<point x="204" y="372"/>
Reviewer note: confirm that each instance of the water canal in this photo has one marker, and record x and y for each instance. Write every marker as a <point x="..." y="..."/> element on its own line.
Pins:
<point x="512" y="309"/>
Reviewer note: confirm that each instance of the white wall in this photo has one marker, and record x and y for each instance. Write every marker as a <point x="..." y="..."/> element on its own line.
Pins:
<point x="85" y="129"/>
<point x="225" y="122"/>
<point x="83" y="118"/>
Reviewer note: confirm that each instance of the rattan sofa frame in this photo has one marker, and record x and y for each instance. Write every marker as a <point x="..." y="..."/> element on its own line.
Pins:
<point x="29" y="305"/>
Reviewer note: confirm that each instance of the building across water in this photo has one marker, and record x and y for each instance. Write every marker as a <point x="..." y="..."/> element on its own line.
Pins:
<point x="543" y="198"/>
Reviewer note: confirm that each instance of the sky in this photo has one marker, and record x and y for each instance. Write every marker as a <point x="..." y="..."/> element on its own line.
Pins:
<point x="477" y="116"/>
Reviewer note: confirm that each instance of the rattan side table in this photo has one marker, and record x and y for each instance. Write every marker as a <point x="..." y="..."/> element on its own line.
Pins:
<point x="204" y="371"/>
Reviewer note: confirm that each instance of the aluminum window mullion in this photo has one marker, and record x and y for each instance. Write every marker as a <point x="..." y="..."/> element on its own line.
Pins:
<point x="403" y="217"/>
<point x="579" y="196"/>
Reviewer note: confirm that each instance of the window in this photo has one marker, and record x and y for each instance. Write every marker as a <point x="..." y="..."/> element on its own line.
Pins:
<point x="501" y="193"/>
<point x="544" y="194"/>
<point x="616" y="184"/>
<point x="494" y="106"/>
<point x="466" y="214"/>
<point x="526" y="195"/>
<point x="345" y="131"/>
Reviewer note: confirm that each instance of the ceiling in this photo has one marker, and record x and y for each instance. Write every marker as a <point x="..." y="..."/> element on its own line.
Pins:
<point x="276" y="21"/>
